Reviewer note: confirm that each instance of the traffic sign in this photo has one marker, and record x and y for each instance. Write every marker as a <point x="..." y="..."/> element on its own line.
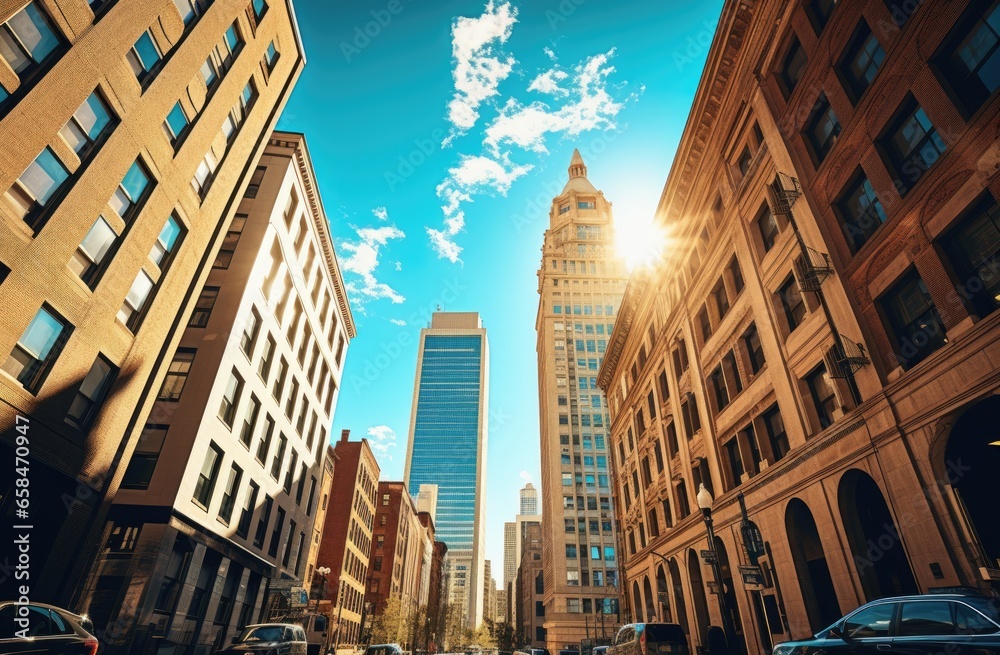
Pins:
<point x="710" y="556"/>
<point x="752" y="576"/>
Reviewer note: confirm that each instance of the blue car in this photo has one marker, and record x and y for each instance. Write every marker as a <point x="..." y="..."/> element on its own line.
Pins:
<point x="951" y="624"/>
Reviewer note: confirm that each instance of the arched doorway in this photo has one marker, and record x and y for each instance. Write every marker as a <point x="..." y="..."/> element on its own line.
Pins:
<point x="876" y="544"/>
<point x="636" y="602"/>
<point x="730" y="591"/>
<point x="647" y="589"/>
<point x="678" y="587"/>
<point x="662" y="595"/>
<point x="811" y="568"/>
<point x="698" y="592"/>
<point x="971" y="462"/>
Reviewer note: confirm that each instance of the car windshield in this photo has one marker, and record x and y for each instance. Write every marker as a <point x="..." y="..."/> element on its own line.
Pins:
<point x="664" y="632"/>
<point x="262" y="633"/>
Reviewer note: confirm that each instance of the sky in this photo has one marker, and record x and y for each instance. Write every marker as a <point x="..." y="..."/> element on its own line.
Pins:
<point x="440" y="130"/>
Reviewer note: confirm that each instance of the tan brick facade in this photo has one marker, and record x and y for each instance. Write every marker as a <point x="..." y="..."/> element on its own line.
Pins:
<point x="866" y="469"/>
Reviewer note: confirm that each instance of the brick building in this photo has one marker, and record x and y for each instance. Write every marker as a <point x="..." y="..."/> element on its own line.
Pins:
<point x="346" y="543"/>
<point x="129" y="131"/>
<point x="819" y="335"/>
<point x="529" y="587"/>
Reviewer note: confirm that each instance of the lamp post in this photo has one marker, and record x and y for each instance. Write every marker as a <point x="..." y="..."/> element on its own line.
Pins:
<point x="322" y="572"/>
<point x="705" y="500"/>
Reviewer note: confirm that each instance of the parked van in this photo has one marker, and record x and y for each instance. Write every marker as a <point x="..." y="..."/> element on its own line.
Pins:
<point x="650" y="639"/>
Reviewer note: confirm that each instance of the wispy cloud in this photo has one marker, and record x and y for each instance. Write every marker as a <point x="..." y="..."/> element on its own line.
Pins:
<point x="479" y="66"/>
<point x="589" y="105"/>
<point x="398" y="321"/>
<point x="475" y="174"/>
<point x="381" y="439"/>
<point x="363" y="261"/>
<point x="527" y="477"/>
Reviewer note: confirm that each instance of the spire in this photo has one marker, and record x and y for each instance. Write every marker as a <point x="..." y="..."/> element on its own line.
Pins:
<point x="576" y="166"/>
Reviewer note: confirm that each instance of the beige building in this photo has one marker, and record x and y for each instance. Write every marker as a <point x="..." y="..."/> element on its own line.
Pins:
<point x="580" y="284"/>
<point x="130" y="131"/>
<point x="512" y="532"/>
<point x="311" y="581"/>
<point x="347" y="541"/>
<point x="528" y="588"/>
<point x="820" y="337"/>
<point x="191" y="542"/>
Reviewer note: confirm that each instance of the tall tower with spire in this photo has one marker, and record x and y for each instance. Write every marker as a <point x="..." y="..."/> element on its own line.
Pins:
<point x="580" y="285"/>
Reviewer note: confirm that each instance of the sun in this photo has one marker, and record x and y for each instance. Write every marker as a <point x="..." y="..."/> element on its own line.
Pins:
<point x="640" y="245"/>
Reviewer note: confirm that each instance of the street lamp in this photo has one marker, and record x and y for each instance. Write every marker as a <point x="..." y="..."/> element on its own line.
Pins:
<point x="322" y="572"/>
<point x="705" y="500"/>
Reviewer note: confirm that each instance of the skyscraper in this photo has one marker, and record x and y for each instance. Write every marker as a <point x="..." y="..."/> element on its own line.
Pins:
<point x="447" y="446"/>
<point x="129" y="131"/>
<point x="529" y="499"/>
<point x="580" y="282"/>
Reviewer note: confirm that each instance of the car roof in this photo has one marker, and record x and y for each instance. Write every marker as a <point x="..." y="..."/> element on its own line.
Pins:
<point x="274" y="625"/>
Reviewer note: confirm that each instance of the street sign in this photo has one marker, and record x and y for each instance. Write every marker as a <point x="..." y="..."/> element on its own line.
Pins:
<point x="752" y="577"/>
<point x="710" y="556"/>
<point x="283" y="585"/>
<point x="299" y="597"/>
<point x="713" y="587"/>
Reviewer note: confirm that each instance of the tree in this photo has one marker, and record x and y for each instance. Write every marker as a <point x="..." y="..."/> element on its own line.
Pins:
<point x="505" y="637"/>
<point x="389" y="625"/>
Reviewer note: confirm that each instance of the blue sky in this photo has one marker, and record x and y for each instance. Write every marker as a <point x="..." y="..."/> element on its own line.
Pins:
<point x="440" y="131"/>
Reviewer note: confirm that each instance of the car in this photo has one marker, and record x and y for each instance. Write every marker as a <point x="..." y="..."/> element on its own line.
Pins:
<point x="384" y="649"/>
<point x="39" y="629"/>
<point x="528" y="650"/>
<point x="649" y="639"/>
<point x="599" y="650"/>
<point x="270" y="638"/>
<point x="954" y="623"/>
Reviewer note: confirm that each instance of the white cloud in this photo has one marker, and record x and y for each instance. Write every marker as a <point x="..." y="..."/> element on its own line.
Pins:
<point x="398" y="321"/>
<point x="549" y="53"/>
<point x="475" y="174"/>
<point x="527" y="477"/>
<point x="363" y="260"/>
<point x="548" y="82"/>
<point x="398" y="266"/>
<point x="382" y="438"/>
<point x="478" y="68"/>
<point x="589" y="106"/>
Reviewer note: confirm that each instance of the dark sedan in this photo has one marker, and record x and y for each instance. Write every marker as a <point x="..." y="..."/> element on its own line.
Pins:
<point x="952" y="624"/>
<point x="41" y="629"/>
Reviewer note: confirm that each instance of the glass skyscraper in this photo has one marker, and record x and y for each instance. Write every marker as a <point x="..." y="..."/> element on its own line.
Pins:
<point x="447" y="447"/>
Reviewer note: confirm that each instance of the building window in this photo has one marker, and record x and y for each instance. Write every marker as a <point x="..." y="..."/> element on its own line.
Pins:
<point x="229" y="494"/>
<point x="140" y="468"/>
<point x="191" y="9"/>
<point x="246" y="513"/>
<point x="736" y="469"/>
<point x="973" y="248"/>
<point x="250" y="421"/>
<point x="279" y="525"/>
<point x="860" y="211"/>
<point x="177" y="374"/>
<point x="743" y="163"/>
<point x="822" y="129"/>
<point x="91" y="393"/>
<point x="776" y="432"/>
<point x="913" y="319"/>
<point x="970" y="58"/>
<point x="210" y="74"/>
<point x="232" y="41"/>
<point x="91" y="257"/>
<point x="819" y="13"/>
<point x="792" y="302"/>
<point x="704" y="323"/>
<point x="270" y="57"/>
<point x="736" y="274"/>
<point x="203" y="175"/>
<point x="166" y="243"/>
<point x="225" y="256"/>
<point x="176" y="124"/>
<point x="266" y="358"/>
<point x="911" y="145"/>
<point x="254" y="186"/>
<point x="88" y="126"/>
<point x="27" y="40"/>
<point x="203" y="308"/>
<point x="37" y="349"/>
<point x="144" y="57"/>
<point x="823" y="397"/>
<point x="259" y="9"/>
<point x="37" y="185"/>
<point x="755" y="353"/>
<point x="861" y="61"/>
<point x="721" y="299"/>
<point x="205" y="485"/>
<point x="279" y="379"/>
<point x="792" y="67"/>
<point x="279" y="455"/>
<point x="231" y="398"/>
<point x="768" y="227"/>
<point x="133" y="308"/>
<point x="132" y="191"/>
<point x="250" y="328"/>
<point x="265" y="517"/>
<point x="265" y="439"/>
